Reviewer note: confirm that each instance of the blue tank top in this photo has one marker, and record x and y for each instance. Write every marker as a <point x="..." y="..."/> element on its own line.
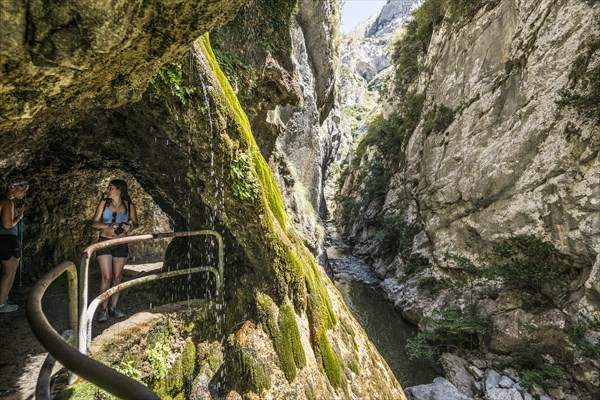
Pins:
<point x="107" y="216"/>
<point x="12" y="231"/>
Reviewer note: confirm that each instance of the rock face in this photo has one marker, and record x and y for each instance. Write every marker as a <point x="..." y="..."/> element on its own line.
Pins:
<point x="291" y="118"/>
<point x="365" y="63"/>
<point x="77" y="54"/>
<point x="440" y="389"/>
<point x="184" y="143"/>
<point x="510" y="161"/>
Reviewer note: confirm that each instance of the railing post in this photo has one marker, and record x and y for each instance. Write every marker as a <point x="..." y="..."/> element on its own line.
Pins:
<point x="81" y="341"/>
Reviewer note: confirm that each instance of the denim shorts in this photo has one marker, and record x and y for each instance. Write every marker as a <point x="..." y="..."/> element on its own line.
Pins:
<point x="120" y="250"/>
<point x="9" y="247"/>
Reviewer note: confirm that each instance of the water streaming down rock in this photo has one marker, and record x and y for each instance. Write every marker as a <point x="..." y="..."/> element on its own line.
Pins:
<point x="212" y="254"/>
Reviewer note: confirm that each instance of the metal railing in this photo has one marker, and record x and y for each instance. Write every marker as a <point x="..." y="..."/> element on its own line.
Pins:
<point x="84" y="366"/>
<point x="77" y="361"/>
<point x="87" y="312"/>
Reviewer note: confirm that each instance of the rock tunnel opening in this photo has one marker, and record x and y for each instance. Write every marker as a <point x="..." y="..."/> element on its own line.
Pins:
<point x="168" y="164"/>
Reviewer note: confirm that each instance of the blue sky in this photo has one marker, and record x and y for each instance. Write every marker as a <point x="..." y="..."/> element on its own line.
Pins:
<point x="356" y="11"/>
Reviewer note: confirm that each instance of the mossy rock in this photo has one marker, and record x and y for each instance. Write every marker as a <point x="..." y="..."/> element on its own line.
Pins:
<point x="283" y="330"/>
<point x="329" y="360"/>
<point x="243" y="364"/>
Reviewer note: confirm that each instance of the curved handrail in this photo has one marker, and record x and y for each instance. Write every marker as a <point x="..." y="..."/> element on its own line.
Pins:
<point x="99" y="374"/>
<point x="87" y="327"/>
<point x="85" y="263"/>
<point x="42" y="386"/>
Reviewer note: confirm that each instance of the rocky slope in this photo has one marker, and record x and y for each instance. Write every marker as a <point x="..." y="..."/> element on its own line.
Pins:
<point x="365" y="66"/>
<point x="128" y="90"/>
<point x="496" y="165"/>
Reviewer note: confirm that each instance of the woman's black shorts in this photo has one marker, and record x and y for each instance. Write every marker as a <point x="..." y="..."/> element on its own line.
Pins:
<point x="120" y="250"/>
<point x="9" y="247"/>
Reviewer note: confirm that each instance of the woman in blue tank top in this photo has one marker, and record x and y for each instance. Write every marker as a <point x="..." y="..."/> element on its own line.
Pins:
<point x="115" y="217"/>
<point x="10" y="251"/>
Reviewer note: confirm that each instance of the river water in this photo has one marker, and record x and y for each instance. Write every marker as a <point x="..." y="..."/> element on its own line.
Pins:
<point x="384" y="325"/>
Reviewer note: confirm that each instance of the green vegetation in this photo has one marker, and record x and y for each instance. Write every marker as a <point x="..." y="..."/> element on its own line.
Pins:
<point x="577" y="333"/>
<point x="250" y="372"/>
<point x="433" y="285"/>
<point x="390" y="134"/>
<point x="415" y="42"/>
<point x="396" y="236"/>
<point x="293" y="268"/>
<point x="438" y="119"/>
<point x="529" y="264"/>
<point x="171" y="75"/>
<point x="236" y="70"/>
<point x="267" y="182"/>
<point x="157" y="350"/>
<point x="329" y="360"/>
<point x="462" y="11"/>
<point x="448" y="328"/>
<point x="245" y="184"/>
<point x="586" y="100"/>
<point x="532" y="367"/>
<point x="283" y="330"/>
<point x="291" y="334"/>
<point x="260" y="29"/>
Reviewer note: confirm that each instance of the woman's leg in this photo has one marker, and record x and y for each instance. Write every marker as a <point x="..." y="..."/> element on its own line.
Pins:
<point x="8" y="278"/>
<point x="118" y="263"/>
<point x="105" y="261"/>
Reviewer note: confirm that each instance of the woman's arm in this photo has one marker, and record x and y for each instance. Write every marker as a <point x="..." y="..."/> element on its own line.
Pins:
<point x="133" y="221"/>
<point x="96" y="223"/>
<point x="8" y="214"/>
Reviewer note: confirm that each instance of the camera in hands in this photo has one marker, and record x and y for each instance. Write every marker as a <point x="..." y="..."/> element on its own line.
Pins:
<point x="119" y="229"/>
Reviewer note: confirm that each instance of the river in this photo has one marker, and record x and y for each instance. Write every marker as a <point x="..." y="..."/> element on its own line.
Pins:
<point x="384" y="325"/>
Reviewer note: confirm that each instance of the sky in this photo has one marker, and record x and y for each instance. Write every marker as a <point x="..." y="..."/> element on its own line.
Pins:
<point x="356" y="11"/>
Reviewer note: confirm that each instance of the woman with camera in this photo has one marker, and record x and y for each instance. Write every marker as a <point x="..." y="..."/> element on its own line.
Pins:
<point x="115" y="217"/>
<point x="10" y="250"/>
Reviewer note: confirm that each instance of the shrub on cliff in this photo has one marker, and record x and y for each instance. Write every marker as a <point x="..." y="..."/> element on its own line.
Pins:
<point x="529" y="264"/>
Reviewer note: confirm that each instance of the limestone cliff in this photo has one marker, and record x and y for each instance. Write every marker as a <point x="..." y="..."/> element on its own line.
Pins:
<point x="288" y="88"/>
<point x="482" y="145"/>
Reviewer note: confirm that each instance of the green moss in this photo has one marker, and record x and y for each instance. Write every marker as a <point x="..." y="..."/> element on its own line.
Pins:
<point x="84" y="391"/>
<point x="250" y="373"/>
<point x="329" y="360"/>
<point x="353" y="366"/>
<point x="188" y="358"/>
<point x="284" y="333"/>
<point x="268" y="184"/>
<point x="294" y="268"/>
<point x="157" y="350"/>
<point x="350" y="332"/>
<point x="180" y="396"/>
<point x="320" y="310"/>
<point x="291" y="334"/>
<point x="262" y="24"/>
<point x="175" y="377"/>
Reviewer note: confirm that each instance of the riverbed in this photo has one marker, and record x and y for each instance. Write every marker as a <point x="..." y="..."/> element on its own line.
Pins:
<point x="384" y="325"/>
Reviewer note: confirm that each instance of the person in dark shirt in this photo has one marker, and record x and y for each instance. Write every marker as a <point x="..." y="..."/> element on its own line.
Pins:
<point x="10" y="251"/>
